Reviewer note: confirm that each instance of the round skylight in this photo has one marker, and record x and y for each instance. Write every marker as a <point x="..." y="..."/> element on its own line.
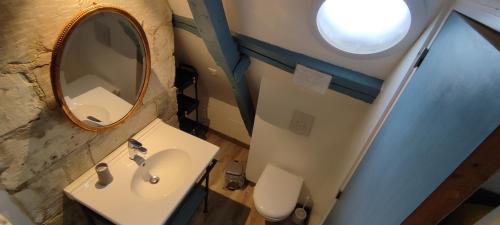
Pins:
<point x="363" y="26"/>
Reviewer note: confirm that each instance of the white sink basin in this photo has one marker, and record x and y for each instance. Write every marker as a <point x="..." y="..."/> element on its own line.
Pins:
<point x="177" y="158"/>
<point x="169" y="166"/>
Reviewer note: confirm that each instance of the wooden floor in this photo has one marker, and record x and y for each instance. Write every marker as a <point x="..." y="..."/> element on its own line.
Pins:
<point x="227" y="207"/>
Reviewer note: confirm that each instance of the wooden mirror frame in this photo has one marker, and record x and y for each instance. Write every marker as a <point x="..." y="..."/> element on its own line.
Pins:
<point x="57" y="58"/>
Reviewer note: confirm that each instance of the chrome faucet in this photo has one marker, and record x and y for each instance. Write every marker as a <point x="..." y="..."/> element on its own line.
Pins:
<point x="135" y="147"/>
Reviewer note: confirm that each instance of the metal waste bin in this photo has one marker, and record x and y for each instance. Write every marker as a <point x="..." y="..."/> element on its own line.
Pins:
<point x="234" y="175"/>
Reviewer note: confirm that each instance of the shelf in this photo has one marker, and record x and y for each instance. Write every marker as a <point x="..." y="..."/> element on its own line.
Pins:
<point x="185" y="76"/>
<point x="186" y="104"/>
<point x="190" y="126"/>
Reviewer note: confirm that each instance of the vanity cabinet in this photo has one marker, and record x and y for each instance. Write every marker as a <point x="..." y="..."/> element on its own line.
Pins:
<point x="184" y="212"/>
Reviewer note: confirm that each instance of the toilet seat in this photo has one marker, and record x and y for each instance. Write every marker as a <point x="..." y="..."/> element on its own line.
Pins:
<point x="276" y="193"/>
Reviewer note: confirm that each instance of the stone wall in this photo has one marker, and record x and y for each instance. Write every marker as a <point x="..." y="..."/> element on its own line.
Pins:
<point x="40" y="150"/>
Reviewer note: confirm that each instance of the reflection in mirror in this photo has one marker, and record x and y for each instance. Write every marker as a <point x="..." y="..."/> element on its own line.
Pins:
<point x="103" y="68"/>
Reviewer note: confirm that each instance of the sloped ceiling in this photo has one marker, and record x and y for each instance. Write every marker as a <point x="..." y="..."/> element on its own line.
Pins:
<point x="291" y="24"/>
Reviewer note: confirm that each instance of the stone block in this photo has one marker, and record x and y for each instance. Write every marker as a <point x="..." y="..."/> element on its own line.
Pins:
<point x="51" y="17"/>
<point x="167" y="106"/>
<point x="48" y="203"/>
<point x="78" y="162"/>
<point x="41" y="73"/>
<point x="150" y="14"/>
<point x="20" y="104"/>
<point x="163" y="44"/>
<point x="38" y="146"/>
<point x="40" y="150"/>
<point x="162" y="79"/>
<point x="173" y="121"/>
<point x="43" y="199"/>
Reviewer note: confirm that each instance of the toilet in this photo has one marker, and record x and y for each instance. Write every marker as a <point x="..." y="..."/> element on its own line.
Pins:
<point x="276" y="193"/>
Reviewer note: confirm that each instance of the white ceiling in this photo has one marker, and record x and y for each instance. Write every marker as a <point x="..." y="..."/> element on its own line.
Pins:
<point x="291" y="24"/>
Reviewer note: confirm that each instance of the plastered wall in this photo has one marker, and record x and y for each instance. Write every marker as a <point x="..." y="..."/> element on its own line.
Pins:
<point x="342" y="124"/>
<point x="40" y="150"/>
<point x="322" y="157"/>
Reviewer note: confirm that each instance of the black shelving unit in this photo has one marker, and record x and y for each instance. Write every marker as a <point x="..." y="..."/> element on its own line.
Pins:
<point x="187" y="76"/>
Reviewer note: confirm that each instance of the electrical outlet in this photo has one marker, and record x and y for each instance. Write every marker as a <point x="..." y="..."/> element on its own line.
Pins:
<point x="301" y="123"/>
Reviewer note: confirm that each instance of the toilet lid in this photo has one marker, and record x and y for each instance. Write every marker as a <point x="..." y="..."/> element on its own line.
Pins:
<point x="276" y="192"/>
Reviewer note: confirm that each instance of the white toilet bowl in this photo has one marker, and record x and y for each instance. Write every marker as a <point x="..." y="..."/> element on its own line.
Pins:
<point x="276" y="193"/>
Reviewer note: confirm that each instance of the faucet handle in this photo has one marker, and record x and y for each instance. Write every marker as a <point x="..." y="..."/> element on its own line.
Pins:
<point x="135" y="144"/>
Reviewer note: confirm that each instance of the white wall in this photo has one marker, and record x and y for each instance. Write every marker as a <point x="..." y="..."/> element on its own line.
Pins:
<point x="218" y="106"/>
<point x="342" y="131"/>
<point x="289" y="24"/>
<point x="343" y="155"/>
<point x="323" y="155"/>
<point x="342" y="125"/>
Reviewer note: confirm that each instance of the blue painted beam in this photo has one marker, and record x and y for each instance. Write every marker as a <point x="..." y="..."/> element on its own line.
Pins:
<point x="352" y="83"/>
<point x="340" y="76"/>
<point x="212" y="27"/>
<point x="242" y="92"/>
<point x="185" y="23"/>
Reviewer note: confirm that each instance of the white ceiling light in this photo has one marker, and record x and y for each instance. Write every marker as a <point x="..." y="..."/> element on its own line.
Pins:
<point x="363" y="26"/>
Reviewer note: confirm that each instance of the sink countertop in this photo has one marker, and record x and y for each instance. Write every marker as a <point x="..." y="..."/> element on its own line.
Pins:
<point x="117" y="202"/>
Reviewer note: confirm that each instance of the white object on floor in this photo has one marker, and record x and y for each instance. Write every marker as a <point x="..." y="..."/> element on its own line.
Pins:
<point x="276" y="193"/>
<point x="299" y="216"/>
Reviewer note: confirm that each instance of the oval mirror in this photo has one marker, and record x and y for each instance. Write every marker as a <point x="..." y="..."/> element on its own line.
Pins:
<point x="100" y="68"/>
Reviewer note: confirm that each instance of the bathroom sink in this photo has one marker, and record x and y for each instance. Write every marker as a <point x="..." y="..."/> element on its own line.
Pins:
<point x="168" y="168"/>
<point x="177" y="159"/>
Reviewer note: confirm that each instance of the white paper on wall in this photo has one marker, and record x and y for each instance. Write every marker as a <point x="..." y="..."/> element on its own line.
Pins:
<point x="311" y="79"/>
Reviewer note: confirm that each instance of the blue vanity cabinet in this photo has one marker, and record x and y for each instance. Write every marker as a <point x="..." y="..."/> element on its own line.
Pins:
<point x="184" y="211"/>
<point x="450" y="105"/>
